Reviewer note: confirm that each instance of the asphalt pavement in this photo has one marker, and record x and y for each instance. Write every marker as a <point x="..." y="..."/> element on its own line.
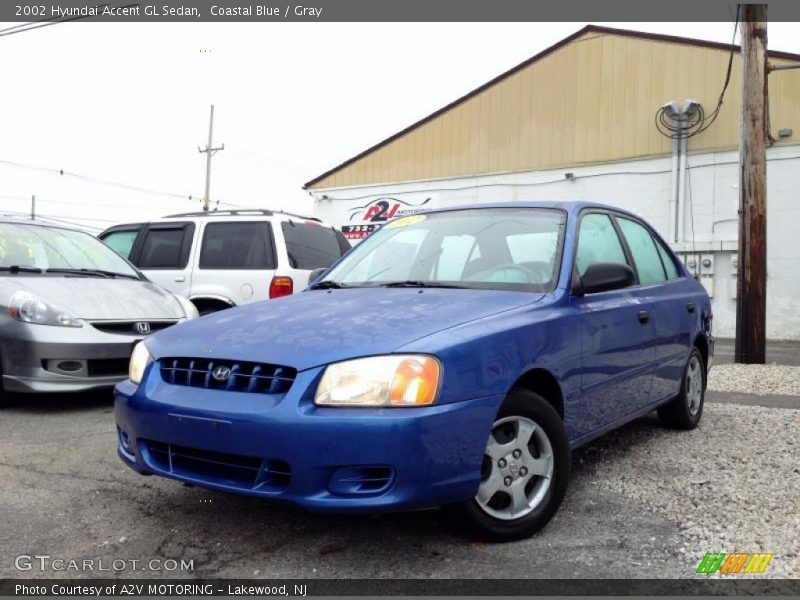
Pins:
<point x="780" y="353"/>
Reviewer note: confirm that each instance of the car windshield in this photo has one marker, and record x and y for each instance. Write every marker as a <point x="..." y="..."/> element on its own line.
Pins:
<point x="54" y="249"/>
<point x="503" y="249"/>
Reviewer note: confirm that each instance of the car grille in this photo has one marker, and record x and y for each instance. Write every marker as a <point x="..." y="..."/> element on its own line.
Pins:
<point x="132" y="327"/>
<point x="248" y="377"/>
<point x="233" y="470"/>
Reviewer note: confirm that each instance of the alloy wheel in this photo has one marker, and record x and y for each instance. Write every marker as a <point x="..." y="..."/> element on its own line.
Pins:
<point x="517" y="468"/>
<point x="694" y="385"/>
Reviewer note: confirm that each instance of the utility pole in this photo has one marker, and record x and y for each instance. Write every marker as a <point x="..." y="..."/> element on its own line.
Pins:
<point x="209" y="151"/>
<point x="751" y="299"/>
<point x="33" y="208"/>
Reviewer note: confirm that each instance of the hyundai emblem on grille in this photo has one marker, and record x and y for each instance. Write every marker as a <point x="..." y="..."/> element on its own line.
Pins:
<point x="142" y="327"/>
<point x="221" y="373"/>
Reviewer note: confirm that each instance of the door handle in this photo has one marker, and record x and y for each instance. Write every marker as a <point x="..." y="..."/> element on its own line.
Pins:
<point x="179" y="278"/>
<point x="690" y="307"/>
<point x="643" y="316"/>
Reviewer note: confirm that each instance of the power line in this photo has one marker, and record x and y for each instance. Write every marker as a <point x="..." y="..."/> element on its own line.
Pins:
<point x="61" y="221"/>
<point x="190" y="197"/>
<point x="115" y="205"/>
<point x="47" y="22"/>
<point x="33" y="26"/>
<point x="66" y="217"/>
<point x="259" y="159"/>
<point x="698" y="122"/>
<point x="27" y="214"/>
<point x="96" y="180"/>
<point x="74" y="203"/>
<point x="11" y="213"/>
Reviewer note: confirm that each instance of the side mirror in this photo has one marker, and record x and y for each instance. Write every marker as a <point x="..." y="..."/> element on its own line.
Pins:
<point x="315" y="274"/>
<point x="603" y="277"/>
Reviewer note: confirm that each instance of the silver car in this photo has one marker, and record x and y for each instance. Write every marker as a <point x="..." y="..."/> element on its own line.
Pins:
<point x="71" y="309"/>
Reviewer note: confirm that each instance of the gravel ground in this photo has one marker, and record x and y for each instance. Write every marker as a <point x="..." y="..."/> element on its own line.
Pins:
<point x="755" y="379"/>
<point x="730" y="485"/>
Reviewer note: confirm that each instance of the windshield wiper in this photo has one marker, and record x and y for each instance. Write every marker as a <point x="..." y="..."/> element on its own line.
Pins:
<point x="97" y="272"/>
<point x="326" y="285"/>
<point x="420" y="284"/>
<point x="21" y="269"/>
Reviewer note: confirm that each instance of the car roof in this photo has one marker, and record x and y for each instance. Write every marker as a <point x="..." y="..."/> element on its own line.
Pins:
<point x="570" y="206"/>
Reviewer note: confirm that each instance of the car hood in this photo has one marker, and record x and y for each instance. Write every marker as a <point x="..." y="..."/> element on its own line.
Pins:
<point x="320" y="327"/>
<point x="98" y="299"/>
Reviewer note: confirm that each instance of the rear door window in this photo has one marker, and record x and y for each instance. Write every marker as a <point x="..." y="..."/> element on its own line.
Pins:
<point x="312" y="246"/>
<point x="666" y="258"/>
<point x="645" y="255"/>
<point x="165" y="248"/>
<point x="237" y="245"/>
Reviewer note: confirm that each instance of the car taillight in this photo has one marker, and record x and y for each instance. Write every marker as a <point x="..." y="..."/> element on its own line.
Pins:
<point x="281" y="286"/>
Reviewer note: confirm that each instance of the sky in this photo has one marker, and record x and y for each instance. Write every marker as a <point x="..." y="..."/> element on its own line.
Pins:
<point x="128" y="103"/>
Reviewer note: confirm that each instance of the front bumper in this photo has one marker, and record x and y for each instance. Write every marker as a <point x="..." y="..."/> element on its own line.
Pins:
<point x="30" y="355"/>
<point x="324" y="459"/>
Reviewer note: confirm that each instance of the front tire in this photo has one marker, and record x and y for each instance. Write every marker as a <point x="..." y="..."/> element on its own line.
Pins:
<point x="525" y="471"/>
<point x="685" y="410"/>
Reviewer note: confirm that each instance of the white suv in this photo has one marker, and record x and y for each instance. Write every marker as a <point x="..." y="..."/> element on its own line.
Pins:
<point x="227" y="258"/>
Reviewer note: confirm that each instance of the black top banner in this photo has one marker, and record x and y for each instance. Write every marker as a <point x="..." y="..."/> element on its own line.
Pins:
<point x="386" y="10"/>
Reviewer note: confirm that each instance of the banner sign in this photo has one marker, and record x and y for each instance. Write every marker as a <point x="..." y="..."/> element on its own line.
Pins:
<point x="366" y="218"/>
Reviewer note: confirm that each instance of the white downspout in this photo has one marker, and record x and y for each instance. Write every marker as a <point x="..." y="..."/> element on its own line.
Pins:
<point x="673" y="194"/>
<point x="681" y="183"/>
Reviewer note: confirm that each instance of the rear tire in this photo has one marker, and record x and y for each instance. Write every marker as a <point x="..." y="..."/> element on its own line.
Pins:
<point x="525" y="471"/>
<point x="684" y="411"/>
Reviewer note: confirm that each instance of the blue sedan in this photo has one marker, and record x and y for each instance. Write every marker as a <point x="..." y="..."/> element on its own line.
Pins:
<point x="454" y="358"/>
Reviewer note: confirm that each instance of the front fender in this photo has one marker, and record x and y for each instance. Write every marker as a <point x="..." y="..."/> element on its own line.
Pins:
<point x="487" y="357"/>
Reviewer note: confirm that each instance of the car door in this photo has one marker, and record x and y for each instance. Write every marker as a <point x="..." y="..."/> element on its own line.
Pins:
<point x="616" y="331"/>
<point x="674" y="311"/>
<point x="162" y="251"/>
<point x="236" y="261"/>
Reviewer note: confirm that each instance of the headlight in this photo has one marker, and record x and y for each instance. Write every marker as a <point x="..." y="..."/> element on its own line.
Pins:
<point x="189" y="309"/>
<point x="139" y="361"/>
<point x="394" y="380"/>
<point x="29" y="308"/>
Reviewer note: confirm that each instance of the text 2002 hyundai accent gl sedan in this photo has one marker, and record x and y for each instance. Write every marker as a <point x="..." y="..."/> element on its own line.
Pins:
<point x="453" y="358"/>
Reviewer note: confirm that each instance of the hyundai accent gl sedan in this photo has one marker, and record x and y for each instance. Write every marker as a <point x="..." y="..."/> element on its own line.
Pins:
<point x="452" y="359"/>
<point x="71" y="310"/>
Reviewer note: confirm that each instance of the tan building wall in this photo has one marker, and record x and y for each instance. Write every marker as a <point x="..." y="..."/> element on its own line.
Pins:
<point x="590" y="99"/>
